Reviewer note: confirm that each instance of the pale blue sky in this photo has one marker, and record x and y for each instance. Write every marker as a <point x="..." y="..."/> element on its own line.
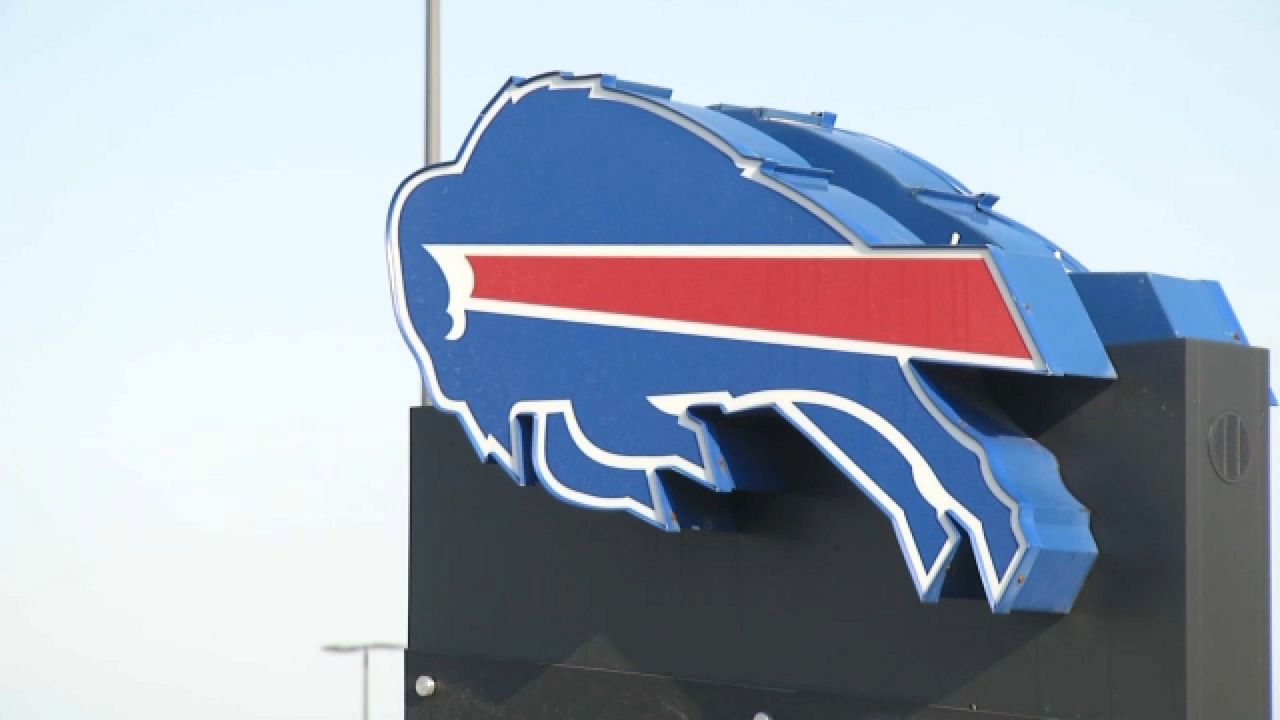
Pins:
<point x="203" y="394"/>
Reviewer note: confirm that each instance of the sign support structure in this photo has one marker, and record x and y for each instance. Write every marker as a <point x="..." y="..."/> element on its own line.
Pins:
<point x="523" y="607"/>
<point x="431" y="105"/>
<point x="734" y="412"/>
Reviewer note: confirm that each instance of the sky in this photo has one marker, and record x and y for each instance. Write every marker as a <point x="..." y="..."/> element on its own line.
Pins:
<point x="203" y="395"/>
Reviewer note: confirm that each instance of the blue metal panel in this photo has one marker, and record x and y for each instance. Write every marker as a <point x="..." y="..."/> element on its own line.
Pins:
<point x="1053" y="314"/>
<point x="1139" y="307"/>
<point x="1055" y="524"/>
<point x="1143" y="307"/>
<point x="927" y="200"/>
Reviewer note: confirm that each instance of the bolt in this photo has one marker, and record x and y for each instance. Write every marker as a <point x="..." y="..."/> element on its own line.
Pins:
<point x="761" y="716"/>
<point x="425" y="686"/>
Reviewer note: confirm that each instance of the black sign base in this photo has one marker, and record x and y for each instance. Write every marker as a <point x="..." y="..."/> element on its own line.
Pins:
<point x="522" y="607"/>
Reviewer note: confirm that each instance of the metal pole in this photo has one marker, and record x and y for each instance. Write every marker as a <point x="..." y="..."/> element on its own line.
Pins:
<point x="364" y="694"/>
<point x="364" y="649"/>
<point x="431" y="118"/>
<point x="433" y="83"/>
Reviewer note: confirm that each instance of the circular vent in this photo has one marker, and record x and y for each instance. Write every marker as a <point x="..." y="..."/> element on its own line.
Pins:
<point x="1229" y="446"/>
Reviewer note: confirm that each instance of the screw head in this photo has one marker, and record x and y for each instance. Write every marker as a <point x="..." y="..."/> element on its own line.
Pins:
<point x="425" y="686"/>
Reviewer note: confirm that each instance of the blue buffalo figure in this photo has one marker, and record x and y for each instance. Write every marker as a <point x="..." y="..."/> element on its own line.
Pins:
<point x="605" y="278"/>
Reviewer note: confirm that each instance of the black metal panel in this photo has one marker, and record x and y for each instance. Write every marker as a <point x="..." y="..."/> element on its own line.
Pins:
<point x="1228" y="628"/>
<point x="473" y="688"/>
<point x="811" y="596"/>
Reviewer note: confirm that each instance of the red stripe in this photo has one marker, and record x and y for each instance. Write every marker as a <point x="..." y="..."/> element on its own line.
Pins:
<point x="945" y="304"/>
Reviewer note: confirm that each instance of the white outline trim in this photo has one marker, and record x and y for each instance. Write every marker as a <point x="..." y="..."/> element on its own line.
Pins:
<point x="655" y="512"/>
<point x="487" y="446"/>
<point x="994" y="583"/>
<point x="460" y="278"/>
<point x="927" y="579"/>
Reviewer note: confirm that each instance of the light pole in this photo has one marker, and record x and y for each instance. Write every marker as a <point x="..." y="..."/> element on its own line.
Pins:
<point x="431" y="117"/>
<point x="363" y="649"/>
<point x="431" y="120"/>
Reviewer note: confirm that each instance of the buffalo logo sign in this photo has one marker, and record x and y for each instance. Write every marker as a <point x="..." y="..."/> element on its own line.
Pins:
<point x="605" y="278"/>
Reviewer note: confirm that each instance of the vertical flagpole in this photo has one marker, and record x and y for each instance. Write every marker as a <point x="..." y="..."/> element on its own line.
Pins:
<point x="433" y="82"/>
<point x="431" y="119"/>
